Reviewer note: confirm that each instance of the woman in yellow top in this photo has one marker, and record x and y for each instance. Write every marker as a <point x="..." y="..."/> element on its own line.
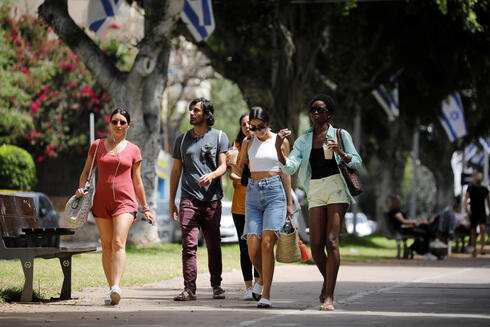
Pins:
<point x="238" y="210"/>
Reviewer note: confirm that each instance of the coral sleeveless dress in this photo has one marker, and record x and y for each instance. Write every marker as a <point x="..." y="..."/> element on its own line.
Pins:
<point x="114" y="194"/>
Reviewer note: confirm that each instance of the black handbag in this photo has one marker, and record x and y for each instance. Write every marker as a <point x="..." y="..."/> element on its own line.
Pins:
<point x="351" y="176"/>
<point x="245" y="176"/>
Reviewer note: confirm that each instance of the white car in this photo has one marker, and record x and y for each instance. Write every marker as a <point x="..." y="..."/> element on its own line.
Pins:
<point x="364" y="226"/>
<point x="227" y="227"/>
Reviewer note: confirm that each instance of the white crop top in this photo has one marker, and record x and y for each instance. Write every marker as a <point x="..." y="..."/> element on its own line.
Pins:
<point x="263" y="155"/>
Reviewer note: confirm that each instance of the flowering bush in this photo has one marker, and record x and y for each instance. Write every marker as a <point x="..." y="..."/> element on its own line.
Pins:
<point x="46" y="93"/>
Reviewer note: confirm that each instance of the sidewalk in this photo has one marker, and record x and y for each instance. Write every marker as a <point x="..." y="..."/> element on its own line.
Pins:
<point x="381" y="293"/>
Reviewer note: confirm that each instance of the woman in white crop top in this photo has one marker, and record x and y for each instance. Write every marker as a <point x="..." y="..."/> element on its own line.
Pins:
<point x="266" y="204"/>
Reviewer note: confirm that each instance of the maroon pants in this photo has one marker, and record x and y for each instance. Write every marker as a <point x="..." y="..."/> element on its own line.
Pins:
<point x="195" y="214"/>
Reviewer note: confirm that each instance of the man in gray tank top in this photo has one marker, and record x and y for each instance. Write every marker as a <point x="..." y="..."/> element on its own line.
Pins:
<point x="200" y="159"/>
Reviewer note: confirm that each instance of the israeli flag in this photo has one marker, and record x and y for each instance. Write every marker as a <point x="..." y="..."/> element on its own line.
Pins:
<point x="388" y="101"/>
<point x="452" y="119"/>
<point x="198" y="16"/>
<point x="478" y="158"/>
<point x="100" y="12"/>
<point x="470" y="151"/>
<point x="486" y="144"/>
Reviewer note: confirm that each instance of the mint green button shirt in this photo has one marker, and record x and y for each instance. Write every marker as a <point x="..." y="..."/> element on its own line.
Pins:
<point x="300" y="157"/>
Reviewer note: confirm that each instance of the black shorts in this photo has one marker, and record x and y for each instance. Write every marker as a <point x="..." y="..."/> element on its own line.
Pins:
<point x="478" y="219"/>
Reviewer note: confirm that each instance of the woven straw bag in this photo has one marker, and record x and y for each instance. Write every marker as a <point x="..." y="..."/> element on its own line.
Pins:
<point x="77" y="209"/>
<point x="287" y="250"/>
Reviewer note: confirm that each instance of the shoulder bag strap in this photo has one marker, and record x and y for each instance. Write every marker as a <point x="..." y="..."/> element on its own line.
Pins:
<point x="181" y="143"/>
<point x="339" y="139"/>
<point x="92" y="170"/>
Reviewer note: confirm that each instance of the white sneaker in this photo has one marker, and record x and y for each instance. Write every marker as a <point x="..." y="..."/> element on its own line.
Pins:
<point x="107" y="300"/>
<point x="430" y="256"/>
<point x="437" y="245"/>
<point x="248" y="295"/>
<point x="115" y="295"/>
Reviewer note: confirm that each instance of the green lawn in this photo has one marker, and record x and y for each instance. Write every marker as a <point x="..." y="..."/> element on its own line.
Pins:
<point x="156" y="263"/>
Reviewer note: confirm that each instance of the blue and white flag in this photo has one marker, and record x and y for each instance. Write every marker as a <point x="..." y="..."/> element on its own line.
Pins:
<point x="452" y="119"/>
<point x="100" y="12"/>
<point x="198" y="16"/>
<point x="388" y="101"/>
<point x="478" y="158"/>
<point x="469" y="152"/>
<point x="486" y="144"/>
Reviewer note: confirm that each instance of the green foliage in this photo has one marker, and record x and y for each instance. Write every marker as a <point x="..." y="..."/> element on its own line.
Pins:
<point x="13" y="294"/>
<point x="17" y="168"/>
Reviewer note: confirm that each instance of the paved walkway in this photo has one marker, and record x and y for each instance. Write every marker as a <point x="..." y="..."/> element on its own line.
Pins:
<point x="452" y="292"/>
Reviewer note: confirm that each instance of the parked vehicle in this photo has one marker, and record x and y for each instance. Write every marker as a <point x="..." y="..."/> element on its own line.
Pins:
<point x="169" y="230"/>
<point x="48" y="217"/>
<point x="364" y="226"/>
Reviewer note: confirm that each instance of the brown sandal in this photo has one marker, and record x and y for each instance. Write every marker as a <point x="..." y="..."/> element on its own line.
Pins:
<point x="185" y="295"/>
<point x="218" y="293"/>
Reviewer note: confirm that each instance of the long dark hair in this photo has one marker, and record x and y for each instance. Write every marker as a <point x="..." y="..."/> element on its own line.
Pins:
<point x="240" y="136"/>
<point x="207" y="108"/>
<point x="259" y="113"/>
<point x="123" y="112"/>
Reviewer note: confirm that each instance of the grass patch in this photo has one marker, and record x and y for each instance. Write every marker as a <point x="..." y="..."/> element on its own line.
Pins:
<point x="155" y="263"/>
<point x="354" y="248"/>
<point x="143" y="265"/>
<point x="13" y="294"/>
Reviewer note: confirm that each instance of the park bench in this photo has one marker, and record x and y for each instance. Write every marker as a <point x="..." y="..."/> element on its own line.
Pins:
<point x="22" y="238"/>
<point x="400" y="236"/>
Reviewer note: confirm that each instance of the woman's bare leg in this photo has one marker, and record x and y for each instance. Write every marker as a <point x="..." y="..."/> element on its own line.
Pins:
<point x="122" y="224"/>
<point x="318" y="242"/>
<point x="335" y="215"/>
<point x="268" y="241"/>
<point x="104" y="225"/>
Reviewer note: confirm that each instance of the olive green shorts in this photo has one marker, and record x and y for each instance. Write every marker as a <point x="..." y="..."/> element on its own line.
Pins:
<point x="327" y="190"/>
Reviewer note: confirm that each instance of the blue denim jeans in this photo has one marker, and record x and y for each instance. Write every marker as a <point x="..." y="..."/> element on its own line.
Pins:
<point x="265" y="206"/>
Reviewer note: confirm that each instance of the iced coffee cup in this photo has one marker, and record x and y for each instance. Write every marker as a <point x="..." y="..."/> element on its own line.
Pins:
<point x="328" y="153"/>
<point x="234" y="154"/>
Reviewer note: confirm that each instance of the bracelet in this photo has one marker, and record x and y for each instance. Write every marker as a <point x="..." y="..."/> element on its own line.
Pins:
<point x="146" y="208"/>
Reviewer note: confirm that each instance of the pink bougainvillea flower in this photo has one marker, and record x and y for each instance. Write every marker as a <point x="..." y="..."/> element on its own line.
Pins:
<point x="86" y="90"/>
<point x="106" y="97"/>
<point x="97" y="109"/>
<point x="18" y="42"/>
<point x="12" y="100"/>
<point x="74" y="57"/>
<point x="24" y="70"/>
<point x="48" y="123"/>
<point x="108" y="118"/>
<point x="71" y="84"/>
<point x="40" y="159"/>
<point x="95" y="100"/>
<point x="114" y="26"/>
<point x="35" y="106"/>
<point x="58" y="118"/>
<point x="42" y="97"/>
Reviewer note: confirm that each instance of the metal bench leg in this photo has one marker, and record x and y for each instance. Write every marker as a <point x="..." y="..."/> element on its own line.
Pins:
<point x="405" y="249"/>
<point x="398" y="249"/>
<point x="28" y="267"/>
<point x="66" y="267"/>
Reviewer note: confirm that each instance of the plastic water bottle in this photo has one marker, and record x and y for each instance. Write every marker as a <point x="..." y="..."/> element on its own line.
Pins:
<point x="287" y="228"/>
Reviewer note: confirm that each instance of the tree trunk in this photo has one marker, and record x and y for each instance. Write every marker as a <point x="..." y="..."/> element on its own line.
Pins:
<point x="138" y="91"/>
<point x="435" y="154"/>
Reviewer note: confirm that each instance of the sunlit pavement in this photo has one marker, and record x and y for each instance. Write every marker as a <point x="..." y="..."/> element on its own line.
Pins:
<point x="451" y="292"/>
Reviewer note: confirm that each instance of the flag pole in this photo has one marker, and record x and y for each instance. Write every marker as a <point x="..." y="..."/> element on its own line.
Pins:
<point x="485" y="168"/>
<point x="357" y="144"/>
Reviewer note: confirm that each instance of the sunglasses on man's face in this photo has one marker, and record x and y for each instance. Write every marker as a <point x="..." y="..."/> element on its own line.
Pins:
<point x="120" y="122"/>
<point x="259" y="128"/>
<point x="320" y="110"/>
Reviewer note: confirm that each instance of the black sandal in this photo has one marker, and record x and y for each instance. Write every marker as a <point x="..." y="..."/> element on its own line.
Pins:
<point x="218" y="293"/>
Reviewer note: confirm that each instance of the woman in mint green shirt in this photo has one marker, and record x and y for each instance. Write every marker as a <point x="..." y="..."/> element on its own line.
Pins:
<point x="317" y="154"/>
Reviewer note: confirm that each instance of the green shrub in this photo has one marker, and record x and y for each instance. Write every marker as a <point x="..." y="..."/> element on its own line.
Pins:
<point x="17" y="168"/>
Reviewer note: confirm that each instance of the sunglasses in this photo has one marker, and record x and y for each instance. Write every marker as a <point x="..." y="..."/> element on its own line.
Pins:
<point x="120" y="122"/>
<point x="320" y="110"/>
<point x="259" y="128"/>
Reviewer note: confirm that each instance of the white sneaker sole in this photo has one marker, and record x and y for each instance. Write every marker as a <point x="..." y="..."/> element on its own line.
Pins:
<point x="115" y="298"/>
